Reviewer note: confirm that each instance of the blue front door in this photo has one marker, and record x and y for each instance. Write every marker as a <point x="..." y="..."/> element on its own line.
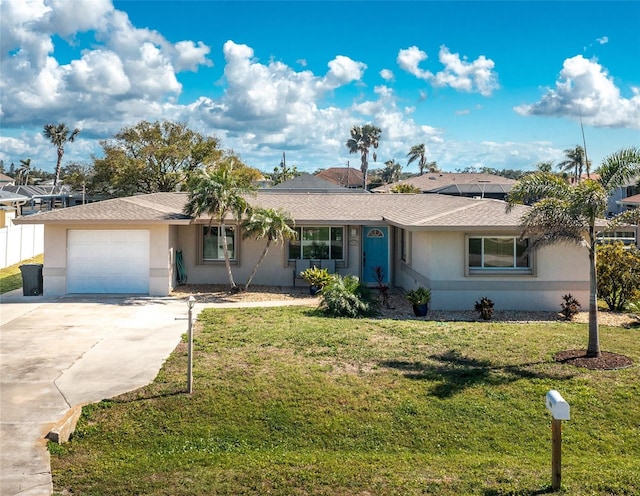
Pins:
<point x="375" y="253"/>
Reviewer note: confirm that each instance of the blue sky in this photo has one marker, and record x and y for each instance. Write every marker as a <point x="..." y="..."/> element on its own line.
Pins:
<point x="495" y="84"/>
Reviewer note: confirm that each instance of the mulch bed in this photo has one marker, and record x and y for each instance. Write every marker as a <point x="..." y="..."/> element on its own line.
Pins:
<point x="606" y="360"/>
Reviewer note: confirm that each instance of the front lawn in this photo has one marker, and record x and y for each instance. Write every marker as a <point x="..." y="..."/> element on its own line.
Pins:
<point x="288" y="402"/>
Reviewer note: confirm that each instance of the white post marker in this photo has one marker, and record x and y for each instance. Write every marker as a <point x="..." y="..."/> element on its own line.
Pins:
<point x="559" y="410"/>
<point x="191" y="301"/>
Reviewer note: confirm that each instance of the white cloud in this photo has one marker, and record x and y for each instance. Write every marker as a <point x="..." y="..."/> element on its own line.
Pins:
<point x="459" y="74"/>
<point x="386" y="74"/>
<point x="409" y="59"/>
<point x="585" y="87"/>
<point x="343" y="70"/>
<point x="190" y="55"/>
<point x="466" y="76"/>
<point x="124" y="67"/>
<point x="603" y="40"/>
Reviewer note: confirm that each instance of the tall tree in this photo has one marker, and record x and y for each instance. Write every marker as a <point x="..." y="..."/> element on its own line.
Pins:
<point x="283" y="172"/>
<point x="271" y="224"/>
<point x="152" y="157"/>
<point x="59" y="135"/>
<point x="418" y="152"/>
<point x="218" y="192"/>
<point x="391" y="171"/>
<point x="22" y="174"/>
<point x="362" y="139"/>
<point x="564" y="213"/>
<point x="574" y="162"/>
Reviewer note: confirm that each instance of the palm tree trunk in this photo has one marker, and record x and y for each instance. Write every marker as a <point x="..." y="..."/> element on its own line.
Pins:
<point x="227" y="262"/>
<point x="58" y="164"/>
<point x="258" y="263"/>
<point x="593" y="348"/>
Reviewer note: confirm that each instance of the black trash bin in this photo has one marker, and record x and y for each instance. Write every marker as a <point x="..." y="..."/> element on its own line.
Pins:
<point x="31" y="279"/>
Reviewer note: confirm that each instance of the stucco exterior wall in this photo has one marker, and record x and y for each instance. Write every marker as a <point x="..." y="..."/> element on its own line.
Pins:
<point x="275" y="270"/>
<point x="55" y="257"/>
<point x="438" y="262"/>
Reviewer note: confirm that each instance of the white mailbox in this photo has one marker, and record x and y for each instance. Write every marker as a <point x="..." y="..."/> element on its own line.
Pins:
<point x="556" y="404"/>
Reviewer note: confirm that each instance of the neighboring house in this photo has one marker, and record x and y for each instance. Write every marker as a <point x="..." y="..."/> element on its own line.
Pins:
<point x="309" y="183"/>
<point x="460" y="248"/>
<point x="9" y="205"/>
<point x="473" y="185"/>
<point x="40" y="197"/>
<point x="4" y="179"/>
<point x="343" y="176"/>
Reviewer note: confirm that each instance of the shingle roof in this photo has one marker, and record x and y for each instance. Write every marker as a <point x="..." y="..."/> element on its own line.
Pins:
<point x="9" y="197"/>
<point x="456" y="182"/>
<point x="307" y="183"/>
<point x="344" y="176"/>
<point x="404" y="210"/>
<point x="144" y="209"/>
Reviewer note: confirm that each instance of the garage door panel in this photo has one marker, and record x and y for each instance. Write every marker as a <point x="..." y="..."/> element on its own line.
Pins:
<point x="108" y="261"/>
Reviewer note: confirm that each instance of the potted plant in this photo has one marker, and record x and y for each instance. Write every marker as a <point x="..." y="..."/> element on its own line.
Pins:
<point x="484" y="307"/>
<point x="419" y="298"/>
<point x="317" y="278"/>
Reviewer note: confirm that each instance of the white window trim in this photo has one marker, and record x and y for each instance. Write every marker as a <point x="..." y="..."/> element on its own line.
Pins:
<point x="344" y="241"/>
<point x="236" y="245"/>
<point x="496" y="271"/>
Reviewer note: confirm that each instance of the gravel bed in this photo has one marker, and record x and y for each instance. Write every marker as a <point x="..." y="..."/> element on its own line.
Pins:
<point x="397" y="308"/>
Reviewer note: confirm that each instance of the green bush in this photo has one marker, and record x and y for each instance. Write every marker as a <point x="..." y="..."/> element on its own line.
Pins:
<point x="618" y="269"/>
<point x="316" y="277"/>
<point x="347" y="297"/>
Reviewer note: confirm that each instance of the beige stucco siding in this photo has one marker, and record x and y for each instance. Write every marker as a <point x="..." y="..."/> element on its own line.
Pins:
<point x="438" y="261"/>
<point x="55" y="256"/>
<point x="275" y="270"/>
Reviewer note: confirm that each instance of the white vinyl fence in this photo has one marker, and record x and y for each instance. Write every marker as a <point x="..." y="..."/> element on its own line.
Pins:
<point x="18" y="243"/>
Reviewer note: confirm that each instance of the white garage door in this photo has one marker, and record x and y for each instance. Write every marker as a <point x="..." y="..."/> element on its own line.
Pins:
<point x="108" y="261"/>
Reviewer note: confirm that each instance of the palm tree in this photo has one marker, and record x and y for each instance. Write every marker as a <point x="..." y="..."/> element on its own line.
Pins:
<point x="22" y="174"/>
<point x="391" y="172"/>
<point x="218" y="192"/>
<point x="561" y="212"/>
<point x="274" y="225"/>
<point x="59" y="135"/>
<point x="574" y="162"/>
<point x="418" y="152"/>
<point x="362" y="138"/>
<point x="544" y="166"/>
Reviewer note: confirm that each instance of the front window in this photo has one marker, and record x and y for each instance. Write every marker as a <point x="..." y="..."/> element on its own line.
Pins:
<point x="317" y="243"/>
<point x="499" y="253"/>
<point x="213" y="243"/>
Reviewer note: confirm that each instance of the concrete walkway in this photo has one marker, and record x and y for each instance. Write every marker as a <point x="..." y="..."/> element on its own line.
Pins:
<point x="56" y="353"/>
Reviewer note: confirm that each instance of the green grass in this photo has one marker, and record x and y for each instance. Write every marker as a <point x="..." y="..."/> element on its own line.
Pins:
<point x="11" y="277"/>
<point x="288" y="402"/>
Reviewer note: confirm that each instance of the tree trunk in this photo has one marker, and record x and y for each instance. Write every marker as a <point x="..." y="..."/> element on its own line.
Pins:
<point x="255" y="269"/>
<point x="58" y="164"/>
<point x="593" y="348"/>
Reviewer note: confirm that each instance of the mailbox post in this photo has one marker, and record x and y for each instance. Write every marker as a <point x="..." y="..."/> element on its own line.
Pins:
<point x="191" y="301"/>
<point x="559" y="410"/>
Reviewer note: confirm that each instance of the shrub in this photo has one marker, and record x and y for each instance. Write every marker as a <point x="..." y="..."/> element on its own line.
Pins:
<point x="570" y="306"/>
<point x="316" y="277"/>
<point x="618" y="274"/>
<point x="347" y="297"/>
<point x="418" y="296"/>
<point x="405" y="188"/>
<point x="484" y="307"/>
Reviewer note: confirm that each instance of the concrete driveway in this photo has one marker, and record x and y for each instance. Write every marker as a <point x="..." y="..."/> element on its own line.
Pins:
<point x="63" y="352"/>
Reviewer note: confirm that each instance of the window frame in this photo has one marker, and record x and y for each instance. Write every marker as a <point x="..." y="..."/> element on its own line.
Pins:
<point x="216" y="261"/>
<point x="330" y="242"/>
<point x="513" y="270"/>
